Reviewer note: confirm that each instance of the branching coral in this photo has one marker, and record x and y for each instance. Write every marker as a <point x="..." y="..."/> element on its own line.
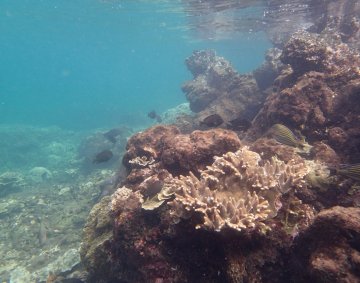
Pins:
<point x="142" y="161"/>
<point x="235" y="192"/>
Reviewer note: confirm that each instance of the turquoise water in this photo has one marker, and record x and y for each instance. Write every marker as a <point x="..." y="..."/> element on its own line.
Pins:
<point x="70" y="70"/>
<point x="88" y="64"/>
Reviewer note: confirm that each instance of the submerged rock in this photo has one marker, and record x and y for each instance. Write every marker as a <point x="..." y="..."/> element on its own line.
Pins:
<point x="97" y="235"/>
<point x="40" y="175"/>
<point x="334" y="258"/>
<point x="217" y="88"/>
<point x="318" y="95"/>
<point x="180" y="153"/>
<point x="63" y="264"/>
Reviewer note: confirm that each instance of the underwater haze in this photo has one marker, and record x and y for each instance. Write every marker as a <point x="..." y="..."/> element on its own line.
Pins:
<point x="76" y="79"/>
<point x="90" y="64"/>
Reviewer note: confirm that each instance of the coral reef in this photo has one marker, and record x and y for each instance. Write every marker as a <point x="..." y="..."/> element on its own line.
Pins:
<point x="239" y="192"/>
<point x="194" y="151"/>
<point x="148" y="143"/>
<point x="171" y="116"/>
<point x="201" y="206"/>
<point x="97" y="233"/>
<point x="341" y="17"/>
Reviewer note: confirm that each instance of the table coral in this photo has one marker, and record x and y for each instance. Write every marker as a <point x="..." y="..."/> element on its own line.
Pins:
<point x="235" y="191"/>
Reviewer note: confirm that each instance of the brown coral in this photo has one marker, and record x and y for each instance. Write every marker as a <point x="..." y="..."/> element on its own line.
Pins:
<point x="124" y="199"/>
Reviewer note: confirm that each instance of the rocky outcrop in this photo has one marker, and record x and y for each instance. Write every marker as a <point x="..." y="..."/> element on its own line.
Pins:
<point x="217" y="88"/>
<point x="334" y="258"/>
<point x="341" y="17"/>
<point x="180" y="153"/>
<point x="317" y="94"/>
<point x="97" y="235"/>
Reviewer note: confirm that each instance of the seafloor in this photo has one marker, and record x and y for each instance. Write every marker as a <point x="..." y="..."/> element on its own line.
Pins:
<point x="45" y="201"/>
<point x="259" y="183"/>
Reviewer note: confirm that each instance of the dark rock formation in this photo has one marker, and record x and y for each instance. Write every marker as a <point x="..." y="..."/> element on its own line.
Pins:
<point x="341" y="17"/>
<point x="218" y="89"/>
<point x="180" y="153"/>
<point x="96" y="239"/>
<point x="269" y="70"/>
<point x="318" y="95"/>
<point x="331" y="258"/>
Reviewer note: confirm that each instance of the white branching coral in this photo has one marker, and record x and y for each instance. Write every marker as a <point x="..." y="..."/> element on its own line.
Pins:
<point x="236" y="191"/>
<point x="142" y="161"/>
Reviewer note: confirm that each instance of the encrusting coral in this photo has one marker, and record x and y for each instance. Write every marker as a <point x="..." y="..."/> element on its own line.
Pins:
<point x="124" y="199"/>
<point x="235" y="192"/>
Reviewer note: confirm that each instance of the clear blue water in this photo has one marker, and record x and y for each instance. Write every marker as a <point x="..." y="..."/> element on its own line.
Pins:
<point x="86" y="64"/>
